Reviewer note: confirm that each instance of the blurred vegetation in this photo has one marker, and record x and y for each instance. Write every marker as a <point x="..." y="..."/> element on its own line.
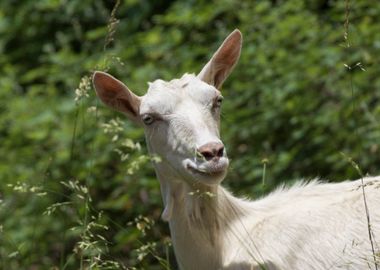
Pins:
<point x="77" y="190"/>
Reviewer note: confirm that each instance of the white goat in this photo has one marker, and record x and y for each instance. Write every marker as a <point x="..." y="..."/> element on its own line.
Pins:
<point x="309" y="226"/>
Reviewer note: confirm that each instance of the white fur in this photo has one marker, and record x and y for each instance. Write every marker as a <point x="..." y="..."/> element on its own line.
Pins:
<point x="308" y="226"/>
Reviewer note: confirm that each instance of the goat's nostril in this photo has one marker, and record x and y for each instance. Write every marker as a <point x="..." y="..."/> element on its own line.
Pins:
<point x="207" y="155"/>
<point x="220" y="152"/>
<point x="211" y="151"/>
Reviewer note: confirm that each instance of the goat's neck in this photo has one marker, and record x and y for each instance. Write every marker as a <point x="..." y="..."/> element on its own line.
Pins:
<point x="198" y="215"/>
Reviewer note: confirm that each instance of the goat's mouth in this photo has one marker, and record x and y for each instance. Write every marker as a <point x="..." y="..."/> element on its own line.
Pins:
<point x="208" y="170"/>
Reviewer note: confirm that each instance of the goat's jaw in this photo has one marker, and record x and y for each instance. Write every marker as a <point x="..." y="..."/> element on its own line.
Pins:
<point x="207" y="172"/>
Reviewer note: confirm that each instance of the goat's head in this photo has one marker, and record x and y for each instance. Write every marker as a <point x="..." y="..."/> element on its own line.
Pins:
<point x="181" y="117"/>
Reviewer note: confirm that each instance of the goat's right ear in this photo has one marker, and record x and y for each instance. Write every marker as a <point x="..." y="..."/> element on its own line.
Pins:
<point x="116" y="95"/>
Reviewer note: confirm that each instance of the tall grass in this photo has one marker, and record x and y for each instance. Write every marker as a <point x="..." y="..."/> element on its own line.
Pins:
<point x="350" y="69"/>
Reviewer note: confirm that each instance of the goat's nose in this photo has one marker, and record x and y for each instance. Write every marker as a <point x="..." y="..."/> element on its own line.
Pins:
<point x="213" y="150"/>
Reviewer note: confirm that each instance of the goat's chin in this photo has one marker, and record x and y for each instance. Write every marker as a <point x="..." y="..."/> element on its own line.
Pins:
<point x="207" y="172"/>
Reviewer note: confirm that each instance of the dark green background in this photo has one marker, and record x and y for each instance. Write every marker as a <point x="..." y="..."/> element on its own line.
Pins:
<point x="290" y="100"/>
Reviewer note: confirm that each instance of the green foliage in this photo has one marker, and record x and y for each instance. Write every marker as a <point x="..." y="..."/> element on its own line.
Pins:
<point x="76" y="186"/>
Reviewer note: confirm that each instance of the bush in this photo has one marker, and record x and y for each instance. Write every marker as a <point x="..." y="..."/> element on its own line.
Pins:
<point x="77" y="189"/>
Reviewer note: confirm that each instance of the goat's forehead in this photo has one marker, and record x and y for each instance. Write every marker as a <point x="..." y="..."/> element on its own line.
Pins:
<point x="163" y="96"/>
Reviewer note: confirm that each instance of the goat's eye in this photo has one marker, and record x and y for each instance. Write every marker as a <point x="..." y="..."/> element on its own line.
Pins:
<point x="218" y="102"/>
<point x="148" y="119"/>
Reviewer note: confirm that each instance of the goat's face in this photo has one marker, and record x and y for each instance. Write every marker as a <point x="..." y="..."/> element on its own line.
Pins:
<point x="181" y="122"/>
<point x="181" y="117"/>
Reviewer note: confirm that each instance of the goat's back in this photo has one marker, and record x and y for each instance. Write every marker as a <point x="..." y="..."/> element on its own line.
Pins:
<point x="312" y="226"/>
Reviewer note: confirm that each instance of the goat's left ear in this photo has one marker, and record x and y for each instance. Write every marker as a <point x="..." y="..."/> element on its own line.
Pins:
<point x="223" y="61"/>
